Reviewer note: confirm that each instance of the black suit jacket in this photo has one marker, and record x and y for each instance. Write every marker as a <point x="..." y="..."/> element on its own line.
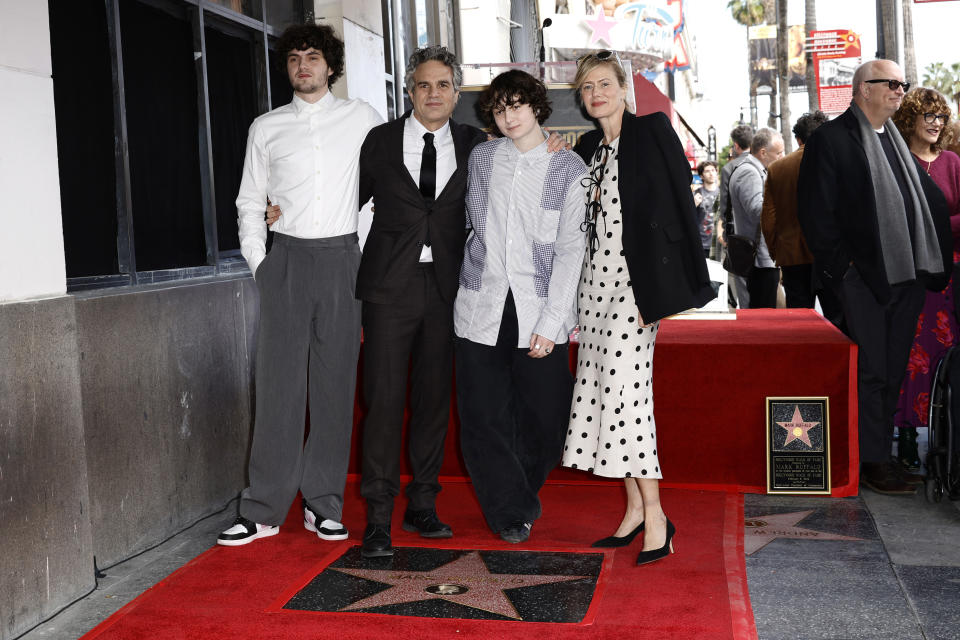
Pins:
<point x="838" y="212"/>
<point x="661" y="242"/>
<point x="401" y="218"/>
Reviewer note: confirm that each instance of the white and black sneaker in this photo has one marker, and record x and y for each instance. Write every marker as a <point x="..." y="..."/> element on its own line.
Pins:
<point x="244" y="531"/>
<point x="327" y="529"/>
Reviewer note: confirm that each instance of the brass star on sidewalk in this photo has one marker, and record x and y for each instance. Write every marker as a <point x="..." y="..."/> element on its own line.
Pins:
<point x="797" y="429"/>
<point x="761" y="530"/>
<point x="465" y="581"/>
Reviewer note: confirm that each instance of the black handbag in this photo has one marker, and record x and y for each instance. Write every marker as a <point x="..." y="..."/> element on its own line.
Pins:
<point x="741" y="254"/>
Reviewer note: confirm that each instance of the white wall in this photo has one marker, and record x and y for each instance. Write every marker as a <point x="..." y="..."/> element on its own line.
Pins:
<point x="31" y="240"/>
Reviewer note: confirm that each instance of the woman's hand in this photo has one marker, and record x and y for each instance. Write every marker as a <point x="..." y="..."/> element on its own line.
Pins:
<point x="540" y="347"/>
<point x="641" y="322"/>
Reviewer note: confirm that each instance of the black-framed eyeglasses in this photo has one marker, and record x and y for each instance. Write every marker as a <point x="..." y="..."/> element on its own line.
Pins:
<point x="930" y="118"/>
<point x="891" y="83"/>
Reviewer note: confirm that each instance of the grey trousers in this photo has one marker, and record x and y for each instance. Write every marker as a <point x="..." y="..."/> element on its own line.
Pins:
<point x="309" y="338"/>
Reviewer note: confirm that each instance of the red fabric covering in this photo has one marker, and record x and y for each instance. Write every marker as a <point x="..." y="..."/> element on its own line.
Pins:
<point x="698" y="592"/>
<point x="711" y="380"/>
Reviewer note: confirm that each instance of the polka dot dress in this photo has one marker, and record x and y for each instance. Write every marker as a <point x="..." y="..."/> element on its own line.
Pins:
<point x="612" y="432"/>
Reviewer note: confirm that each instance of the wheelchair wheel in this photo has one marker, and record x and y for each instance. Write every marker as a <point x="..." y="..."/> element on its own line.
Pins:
<point x="933" y="488"/>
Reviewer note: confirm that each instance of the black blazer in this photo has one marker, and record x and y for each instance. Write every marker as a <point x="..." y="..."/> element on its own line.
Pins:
<point x="661" y="242"/>
<point x="838" y="212"/>
<point x="401" y="218"/>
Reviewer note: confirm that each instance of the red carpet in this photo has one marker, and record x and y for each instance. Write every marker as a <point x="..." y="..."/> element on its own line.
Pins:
<point x="711" y="379"/>
<point x="698" y="592"/>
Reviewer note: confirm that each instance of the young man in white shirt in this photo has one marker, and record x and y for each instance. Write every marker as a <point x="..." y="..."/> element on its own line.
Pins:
<point x="303" y="157"/>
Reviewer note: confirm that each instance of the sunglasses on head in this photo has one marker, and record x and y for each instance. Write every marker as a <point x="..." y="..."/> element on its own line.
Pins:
<point x="892" y="84"/>
<point x="930" y="118"/>
<point x="599" y="55"/>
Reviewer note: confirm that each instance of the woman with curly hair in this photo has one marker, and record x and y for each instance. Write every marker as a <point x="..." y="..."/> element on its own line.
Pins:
<point x="923" y="119"/>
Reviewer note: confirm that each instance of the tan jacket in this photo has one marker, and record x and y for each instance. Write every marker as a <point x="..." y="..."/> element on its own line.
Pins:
<point x="781" y="229"/>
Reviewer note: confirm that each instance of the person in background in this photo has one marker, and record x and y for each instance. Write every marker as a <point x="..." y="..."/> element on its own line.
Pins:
<point x="516" y="305"/>
<point x="923" y="120"/>
<point x="781" y="229"/>
<point x="645" y="262"/>
<point x="705" y="197"/>
<point x="746" y="197"/>
<point x="879" y="231"/>
<point x="740" y="139"/>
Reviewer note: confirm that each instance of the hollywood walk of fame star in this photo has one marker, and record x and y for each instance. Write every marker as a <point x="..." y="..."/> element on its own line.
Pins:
<point x="600" y="27"/>
<point x="797" y="429"/>
<point x="761" y="530"/>
<point x="484" y="590"/>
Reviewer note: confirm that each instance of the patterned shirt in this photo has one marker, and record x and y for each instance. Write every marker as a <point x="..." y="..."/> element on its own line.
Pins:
<point x="525" y="211"/>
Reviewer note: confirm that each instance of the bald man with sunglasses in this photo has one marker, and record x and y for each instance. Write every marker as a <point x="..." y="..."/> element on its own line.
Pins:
<point x="879" y="231"/>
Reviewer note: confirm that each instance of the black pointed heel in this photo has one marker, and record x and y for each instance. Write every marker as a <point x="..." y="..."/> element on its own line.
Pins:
<point x="646" y="557"/>
<point x="614" y="541"/>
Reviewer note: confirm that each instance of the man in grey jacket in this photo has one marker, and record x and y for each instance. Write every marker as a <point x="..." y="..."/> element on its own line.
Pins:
<point x="746" y="198"/>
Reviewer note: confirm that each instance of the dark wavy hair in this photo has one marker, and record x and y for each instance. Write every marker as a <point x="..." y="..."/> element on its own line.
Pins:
<point x="917" y="102"/>
<point x="510" y="88"/>
<point x="310" y="36"/>
<point x="703" y="166"/>
<point x="807" y="124"/>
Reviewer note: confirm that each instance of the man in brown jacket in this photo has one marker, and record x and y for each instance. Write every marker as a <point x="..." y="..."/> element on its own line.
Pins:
<point x="781" y="229"/>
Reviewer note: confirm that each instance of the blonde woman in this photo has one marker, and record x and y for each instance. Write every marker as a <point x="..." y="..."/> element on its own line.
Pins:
<point x="644" y="262"/>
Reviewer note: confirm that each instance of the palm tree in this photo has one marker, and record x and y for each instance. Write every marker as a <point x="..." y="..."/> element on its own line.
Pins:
<point x="748" y="13"/>
<point x="944" y="79"/>
<point x="810" y="24"/>
<point x="770" y="17"/>
<point x="909" y="53"/>
<point x="783" y="74"/>
<point x="888" y="29"/>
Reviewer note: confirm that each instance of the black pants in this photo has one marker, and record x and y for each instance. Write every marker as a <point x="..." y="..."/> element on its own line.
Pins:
<point x="884" y="335"/>
<point x="762" y="283"/>
<point x="513" y="420"/>
<point x="798" y="286"/>
<point x="417" y="327"/>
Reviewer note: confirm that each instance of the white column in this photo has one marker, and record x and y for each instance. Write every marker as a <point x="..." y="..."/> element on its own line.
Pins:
<point x="31" y="240"/>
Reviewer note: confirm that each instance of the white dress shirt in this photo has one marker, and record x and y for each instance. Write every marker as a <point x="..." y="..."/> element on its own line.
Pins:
<point x="525" y="210"/>
<point x="413" y="145"/>
<point x="305" y="158"/>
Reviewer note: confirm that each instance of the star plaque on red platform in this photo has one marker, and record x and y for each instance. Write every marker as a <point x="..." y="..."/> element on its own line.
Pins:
<point x="798" y="445"/>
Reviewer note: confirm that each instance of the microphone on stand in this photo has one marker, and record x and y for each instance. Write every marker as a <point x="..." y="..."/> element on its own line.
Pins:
<point x="543" y="53"/>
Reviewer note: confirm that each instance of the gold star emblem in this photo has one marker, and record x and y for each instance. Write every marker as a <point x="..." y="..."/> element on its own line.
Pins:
<point x="797" y="429"/>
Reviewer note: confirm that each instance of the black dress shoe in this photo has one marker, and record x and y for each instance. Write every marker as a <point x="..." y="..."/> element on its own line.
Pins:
<point x="376" y="541"/>
<point x="885" y="478"/>
<point x="517" y="532"/>
<point x="646" y="557"/>
<point x="426" y="523"/>
<point x="614" y="541"/>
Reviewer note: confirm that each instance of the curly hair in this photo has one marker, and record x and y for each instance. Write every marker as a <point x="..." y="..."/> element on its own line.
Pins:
<point x="320" y="37"/>
<point x="426" y="54"/>
<point x="807" y="124"/>
<point x="917" y="102"/>
<point x="510" y="88"/>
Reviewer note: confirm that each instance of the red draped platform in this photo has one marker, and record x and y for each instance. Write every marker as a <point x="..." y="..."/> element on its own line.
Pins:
<point x="711" y="380"/>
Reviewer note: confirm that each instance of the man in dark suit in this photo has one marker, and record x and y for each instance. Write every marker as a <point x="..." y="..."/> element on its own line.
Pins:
<point x="415" y="169"/>
<point x="879" y="232"/>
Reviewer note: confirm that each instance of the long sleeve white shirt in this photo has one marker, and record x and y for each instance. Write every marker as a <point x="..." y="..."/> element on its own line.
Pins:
<point x="305" y="158"/>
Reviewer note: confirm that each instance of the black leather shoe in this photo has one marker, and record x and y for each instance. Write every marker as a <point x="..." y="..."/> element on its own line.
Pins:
<point x="885" y="478"/>
<point x="614" y="541"/>
<point x="376" y="541"/>
<point x="426" y="523"/>
<point x="517" y="532"/>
